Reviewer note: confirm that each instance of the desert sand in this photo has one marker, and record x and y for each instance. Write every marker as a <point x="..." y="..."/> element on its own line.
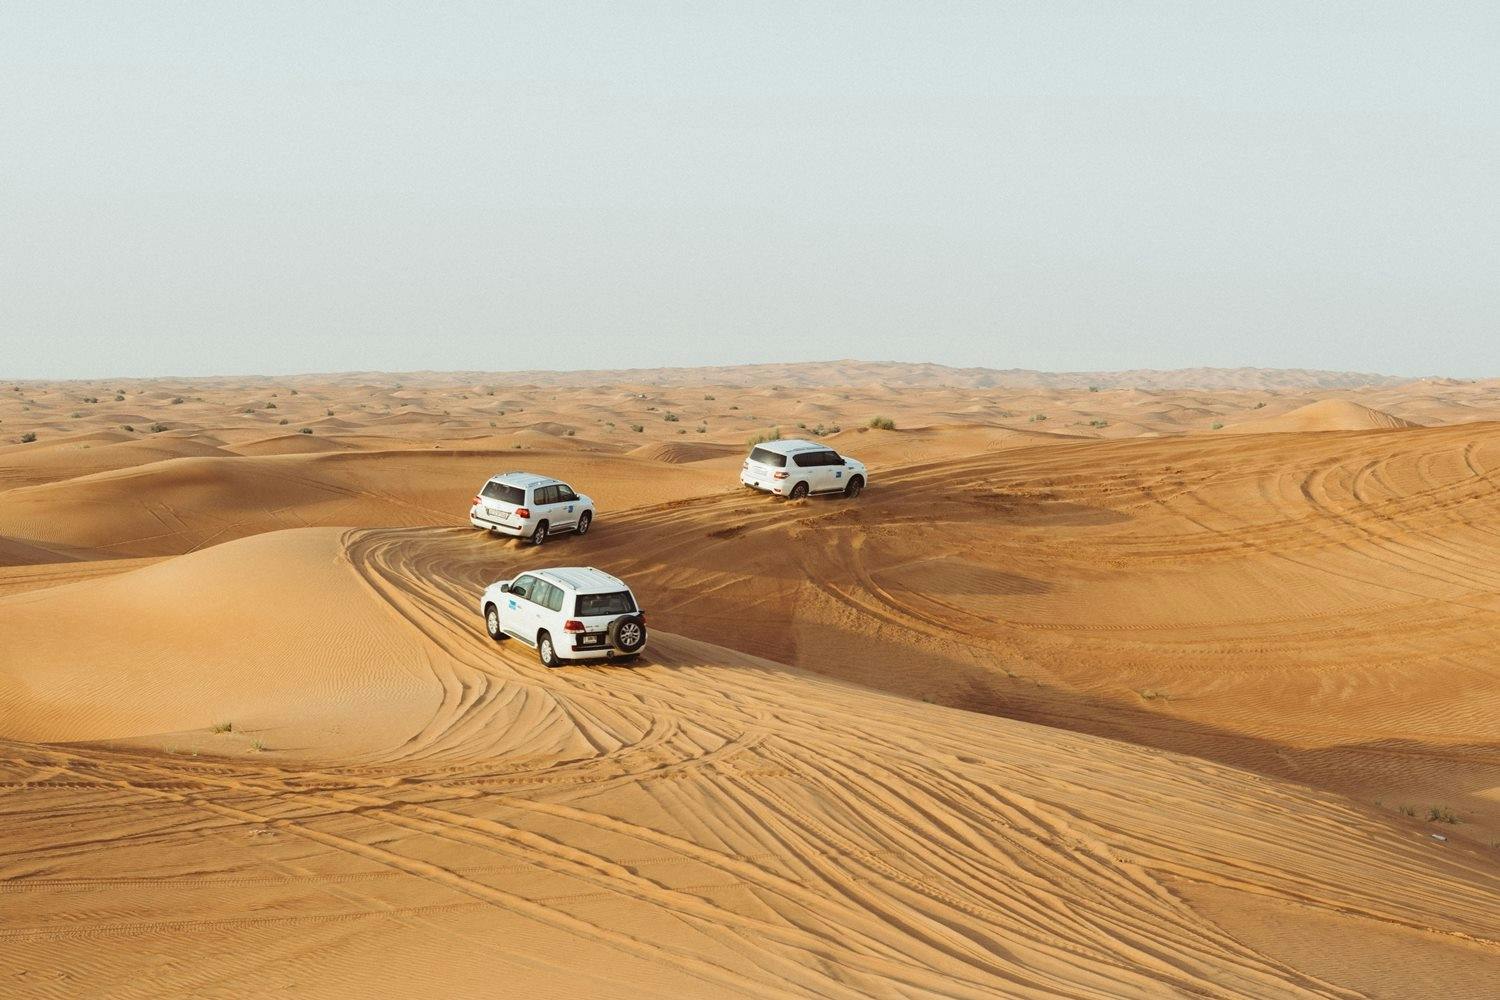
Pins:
<point x="1134" y="684"/>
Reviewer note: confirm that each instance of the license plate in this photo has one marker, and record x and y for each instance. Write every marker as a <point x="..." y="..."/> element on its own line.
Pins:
<point x="591" y="640"/>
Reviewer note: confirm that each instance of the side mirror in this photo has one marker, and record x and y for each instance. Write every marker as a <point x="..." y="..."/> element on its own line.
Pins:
<point x="505" y="588"/>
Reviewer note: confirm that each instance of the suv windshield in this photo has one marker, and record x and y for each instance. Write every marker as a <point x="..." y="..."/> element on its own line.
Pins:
<point x="618" y="603"/>
<point x="503" y="493"/>
<point x="767" y="457"/>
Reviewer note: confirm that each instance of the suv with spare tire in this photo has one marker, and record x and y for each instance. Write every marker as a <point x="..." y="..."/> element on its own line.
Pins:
<point x="794" y="468"/>
<point x="567" y="613"/>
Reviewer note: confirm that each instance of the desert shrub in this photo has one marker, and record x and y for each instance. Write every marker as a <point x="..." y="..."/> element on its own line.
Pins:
<point x="882" y="423"/>
<point x="734" y="406"/>
<point x="28" y="437"/>
<point x="91" y="399"/>
<point x="270" y="406"/>
<point x="157" y="428"/>
<point x="1099" y="423"/>
<point x="1441" y="814"/>
<point x="637" y="428"/>
<point x="119" y="398"/>
<point x="305" y="430"/>
<point x="283" y="420"/>
<point x="74" y="415"/>
<point x="128" y="428"/>
<point x="701" y="429"/>
<point x="294" y="392"/>
<point x="1260" y="405"/>
<point x="1093" y="388"/>
<point x="708" y="396"/>
<point x="571" y="432"/>
<point x="769" y="434"/>
<point x="1036" y="418"/>
<point x="682" y="430"/>
<point x="670" y="417"/>
<point x="178" y="401"/>
<point x="328" y="413"/>
<point x="222" y="727"/>
<point x="1217" y="425"/>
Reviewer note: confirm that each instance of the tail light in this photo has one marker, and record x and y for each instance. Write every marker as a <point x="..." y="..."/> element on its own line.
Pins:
<point x="478" y="501"/>
<point x="572" y="626"/>
<point x="780" y="475"/>
<point x="522" y="512"/>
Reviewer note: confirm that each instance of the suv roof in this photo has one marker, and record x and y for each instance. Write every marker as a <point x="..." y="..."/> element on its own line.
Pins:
<point x="523" y="479"/>
<point x="792" y="446"/>
<point x="580" y="579"/>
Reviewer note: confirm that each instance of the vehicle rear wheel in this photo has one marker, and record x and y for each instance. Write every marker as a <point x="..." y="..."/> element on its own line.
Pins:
<point x="628" y="634"/>
<point x="799" y="491"/>
<point x="545" y="651"/>
<point x="854" y="486"/>
<point x="540" y="534"/>
<point x="492" y="623"/>
<point x="584" y="520"/>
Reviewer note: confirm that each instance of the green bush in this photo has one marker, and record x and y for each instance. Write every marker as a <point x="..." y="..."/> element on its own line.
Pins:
<point x="305" y="430"/>
<point x="882" y="423"/>
<point x="637" y="428"/>
<point x="769" y="434"/>
<point x="157" y="428"/>
<point x="28" y="437"/>
<point x="670" y="417"/>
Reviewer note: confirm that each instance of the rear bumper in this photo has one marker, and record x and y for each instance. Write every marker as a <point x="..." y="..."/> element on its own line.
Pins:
<point x="776" y="486"/>
<point x="594" y="652"/>
<point x="503" y="529"/>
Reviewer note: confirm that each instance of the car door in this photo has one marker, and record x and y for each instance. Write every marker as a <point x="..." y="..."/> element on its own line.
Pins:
<point x="568" y="506"/>
<point x="546" y="506"/>
<point x="519" y="616"/>
<point x="835" y="472"/>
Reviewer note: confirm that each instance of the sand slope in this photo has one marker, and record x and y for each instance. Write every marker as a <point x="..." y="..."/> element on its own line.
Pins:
<point x="711" y="824"/>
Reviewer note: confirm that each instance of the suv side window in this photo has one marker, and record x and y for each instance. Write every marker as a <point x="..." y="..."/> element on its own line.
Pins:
<point x="565" y="494"/>
<point x="524" y="586"/>
<point x="807" y="460"/>
<point x="545" y="495"/>
<point x="832" y="458"/>
<point x="548" y="596"/>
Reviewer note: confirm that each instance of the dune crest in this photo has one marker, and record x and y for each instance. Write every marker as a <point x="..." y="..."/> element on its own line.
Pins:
<point x="1326" y="415"/>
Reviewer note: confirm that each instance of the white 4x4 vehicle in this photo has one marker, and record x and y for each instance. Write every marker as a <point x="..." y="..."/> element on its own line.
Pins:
<point x="567" y="613"/>
<point x="525" y="505"/>
<point x="794" y="468"/>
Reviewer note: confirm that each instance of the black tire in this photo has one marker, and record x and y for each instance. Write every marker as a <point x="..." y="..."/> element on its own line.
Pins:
<point x="799" y="491"/>
<point x="584" y="520"/>
<point x="492" y="623"/>
<point x="854" y="486"/>
<point x="539" y="533"/>
<point x="545" y="651"/>
<point x="630" y="658"/>
<point x="628" y="634"/>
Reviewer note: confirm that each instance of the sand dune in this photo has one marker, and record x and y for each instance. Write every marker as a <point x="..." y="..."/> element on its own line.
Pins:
<point x="1326" y="415"/>
<point x="1084" y="697"/>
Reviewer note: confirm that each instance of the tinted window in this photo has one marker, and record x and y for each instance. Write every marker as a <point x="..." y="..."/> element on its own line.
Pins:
<point x="524" y="586"/>
<point x="618" y="603"/>
<point x="546" y="494"/>
<point x="565" y="494"/>
<point x="549" y="596"/>
<point x="505" y="494"/>
<point x="771" y="458"/>
<point x="808" y="459"/>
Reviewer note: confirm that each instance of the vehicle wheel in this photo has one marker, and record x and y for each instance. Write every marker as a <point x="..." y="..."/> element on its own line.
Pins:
<point x="628" y="634"/>
<point x="492" y="623"/>
<point x="799" y="491"/>
<point x="540" y="534"/>
<point x="853" y="488"/>
<point x="627" y="659"/>
<point x="584" y="520"/>
<point x="545" y="651"/>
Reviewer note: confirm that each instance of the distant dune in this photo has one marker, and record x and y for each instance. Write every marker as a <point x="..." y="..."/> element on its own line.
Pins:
<point x="1326" y="415"/>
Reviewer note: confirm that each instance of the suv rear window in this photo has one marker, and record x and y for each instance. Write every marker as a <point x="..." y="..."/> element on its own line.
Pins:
<point x="767" y="457"/>
<point x="618" y="603"/>
<point x="505" y="494"/>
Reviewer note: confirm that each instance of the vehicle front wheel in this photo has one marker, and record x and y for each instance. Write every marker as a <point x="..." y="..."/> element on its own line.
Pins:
<point x="492" y="623"/>
<point x="854" y="487"/>
<point x="799" y="491"/>
<point x="546" y="652"/>
<point x="540" y="534"/>
<point x="584" y="521"/>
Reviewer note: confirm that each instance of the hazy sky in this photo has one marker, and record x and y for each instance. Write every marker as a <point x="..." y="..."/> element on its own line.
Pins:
<point x="205" y="187"/>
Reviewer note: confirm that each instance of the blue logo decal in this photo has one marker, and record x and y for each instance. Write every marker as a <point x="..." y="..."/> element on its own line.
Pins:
<point x="839" y="474"/>
<point x="570" y="508"/>
<point x="512" y="604"/>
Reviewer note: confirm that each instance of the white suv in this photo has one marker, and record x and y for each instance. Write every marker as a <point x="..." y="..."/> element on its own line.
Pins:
<point x="794" y="468"/>
<point x="567" y="613"/>
<point x="523" y="504"/>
